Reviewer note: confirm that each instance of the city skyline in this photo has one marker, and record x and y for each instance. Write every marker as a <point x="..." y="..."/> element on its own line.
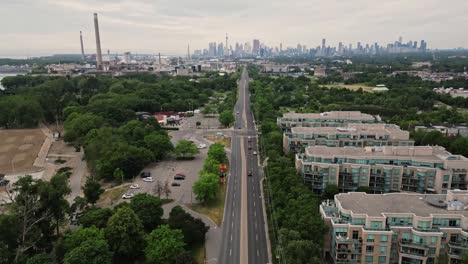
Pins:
<point x="52" y="26"/>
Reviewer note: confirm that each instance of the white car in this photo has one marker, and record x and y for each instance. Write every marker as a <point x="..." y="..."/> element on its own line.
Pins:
<point x="255" y="153"/>
<point x="135" y="186"/>
<point x="201" y="146"/>
<point x="148" y="179"/>
<point x="127" y="196"/>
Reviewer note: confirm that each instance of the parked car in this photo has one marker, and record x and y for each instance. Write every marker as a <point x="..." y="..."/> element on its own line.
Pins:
<point x="178" y="177"/>
<point x="175" y="184"/>
<point x="134" y="186"/>
<point x="145" y="174"/>
<point x="181" y="175"/>
<point x="249" y="173"/>
<point x="148" y="179"/>
<point x="127" y="196"/>
<point x="255" y="153"/>
<point x="201" y="146"/>
<point x="249" y="138"/>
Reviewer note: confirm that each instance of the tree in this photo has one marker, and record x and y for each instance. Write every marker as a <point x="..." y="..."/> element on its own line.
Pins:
<point x="186" y="149"/>
<point x="148" y="209"/>
<point x="185" y="258"/>
<point x="211" y="166"/>
<point x="124" y="233"/>
<point x="159" y="144"/>
<point x="206" y="187"/>
<point x="226" y="118"/>
<point x="97" y="217"/>
<point x="119" y="174"/>
<point x="216" y="152"/>
<point x="40" y="259"/>
<point x="167" y="189"/>
<point x="207" y="110"/>
<point x="34" y="218"/>
<point x="77" y="125"/>
<point x="194" y="230"/>
<point x="9" y="228"/>
<point x="92" y="190"/>
<point x="163" y="245"/>
<point x="75" y="239"/>
<point x="363" y="189"/>
<point x="91" y="251"/>
<point x="158" y="188"/>
<point x="330" y="191"/>
<point x="53" y="197"/>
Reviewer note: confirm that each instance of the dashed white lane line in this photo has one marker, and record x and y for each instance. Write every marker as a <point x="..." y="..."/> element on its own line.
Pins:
<point x="256" y="236"/>
<point x="258" y="253"/>
<point x="230" y="252"/>
<point x="231" y="237"/>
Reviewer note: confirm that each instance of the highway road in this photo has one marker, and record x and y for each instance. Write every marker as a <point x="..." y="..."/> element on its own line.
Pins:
<point x="243" y="235"/>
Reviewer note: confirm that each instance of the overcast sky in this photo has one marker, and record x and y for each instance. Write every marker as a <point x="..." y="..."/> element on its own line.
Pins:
<point x="40" y="27"/>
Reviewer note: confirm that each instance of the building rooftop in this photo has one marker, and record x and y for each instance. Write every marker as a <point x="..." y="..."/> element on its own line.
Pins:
<point x="427" y="153"/>
<point x="418" y="204"/>
<point x="393" y="131"/>
<point x="354" y="115"/>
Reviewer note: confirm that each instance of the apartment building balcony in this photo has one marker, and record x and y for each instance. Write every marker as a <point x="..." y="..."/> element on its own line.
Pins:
<point x="458" y="245"/>
<point x="410" y="248"/>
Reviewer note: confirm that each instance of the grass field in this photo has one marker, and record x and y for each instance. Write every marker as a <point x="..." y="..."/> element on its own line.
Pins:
<point x="213" y="209"/>
<point x="226" y="141"/>
<point x="110" y="196"/>
<point x="353" y="87"/>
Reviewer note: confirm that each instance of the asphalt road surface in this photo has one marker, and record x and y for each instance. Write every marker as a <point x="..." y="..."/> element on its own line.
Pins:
<point x="243" y="236"/>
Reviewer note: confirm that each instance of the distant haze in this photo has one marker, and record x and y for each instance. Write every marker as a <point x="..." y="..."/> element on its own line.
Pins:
<point x="35" y="27"/>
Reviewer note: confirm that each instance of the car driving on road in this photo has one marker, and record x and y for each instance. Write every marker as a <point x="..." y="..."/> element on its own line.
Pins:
<point x="175" y="184"/>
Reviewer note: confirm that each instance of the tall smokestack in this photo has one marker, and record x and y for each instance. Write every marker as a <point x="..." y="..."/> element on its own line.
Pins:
<point x="82" y="48"/>
<point x="98" y="43"/>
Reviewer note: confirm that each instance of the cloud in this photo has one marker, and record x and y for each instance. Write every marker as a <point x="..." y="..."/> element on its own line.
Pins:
<point x="168" y="25"/>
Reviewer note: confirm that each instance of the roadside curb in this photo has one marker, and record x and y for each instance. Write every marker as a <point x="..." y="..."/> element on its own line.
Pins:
<point x="265" y="219"/>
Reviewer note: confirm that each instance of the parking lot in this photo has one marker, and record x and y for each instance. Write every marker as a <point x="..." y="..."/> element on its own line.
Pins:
<point x="164" y="171"/>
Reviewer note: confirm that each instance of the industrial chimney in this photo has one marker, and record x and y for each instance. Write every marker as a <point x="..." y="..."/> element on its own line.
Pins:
<point x="98" y="43"/>
<point x="82" y="48"/>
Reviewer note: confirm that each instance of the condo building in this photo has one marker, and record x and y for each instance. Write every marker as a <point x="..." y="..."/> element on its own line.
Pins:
<point x="396" y="228"/>
<point x="357" y="135"/>
<point x="422" y="169"/>
<point x="326" y="119"/>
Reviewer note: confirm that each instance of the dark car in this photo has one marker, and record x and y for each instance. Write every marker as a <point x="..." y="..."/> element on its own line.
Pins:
<point x="4" y="182"/>
<point x="179" y="177"/>
<point x="145" y="174"/>
<point x="249" y="173"/>
<point x="175" y="184"/>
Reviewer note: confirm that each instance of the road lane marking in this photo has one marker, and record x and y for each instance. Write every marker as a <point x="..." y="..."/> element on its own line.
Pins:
<point x="231" y="237"/>
<point x="230" y="252"/>
<point x="232" y="224"/>
<point x="255" y="213"/>
<point x="244" y="239"/>
<point x="256" y="236"/>
<point x="254" y="203"/>
<point x="258" y="253"/>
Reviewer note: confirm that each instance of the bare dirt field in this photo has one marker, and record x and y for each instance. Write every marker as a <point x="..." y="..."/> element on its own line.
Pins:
<point x="19" y="149"/>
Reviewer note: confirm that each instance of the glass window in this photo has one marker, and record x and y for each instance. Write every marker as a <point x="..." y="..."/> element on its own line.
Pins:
<point x="369" y="249"/>
<point x="383" y="249"/>
<point x="446" y="178"/>
<point x="382" y="259"/>
<point x="376" y="225"/>
<point x="369" y="259"/>
<point x="370" y="238"/>
<point x="383" y="238"/>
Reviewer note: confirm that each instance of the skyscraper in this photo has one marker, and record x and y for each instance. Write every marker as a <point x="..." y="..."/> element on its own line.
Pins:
<point x="323" y="44"/>
<point x="98" y="43"/>
<point x="256" y="46"/>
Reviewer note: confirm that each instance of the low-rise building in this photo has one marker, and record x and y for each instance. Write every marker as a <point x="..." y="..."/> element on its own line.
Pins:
<point x="326" y="119"/>
<point x="357" y="135"/>
<point x="396" y="227"/>
<point x="422" y="169"/>
<point x="450" y="131"/>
